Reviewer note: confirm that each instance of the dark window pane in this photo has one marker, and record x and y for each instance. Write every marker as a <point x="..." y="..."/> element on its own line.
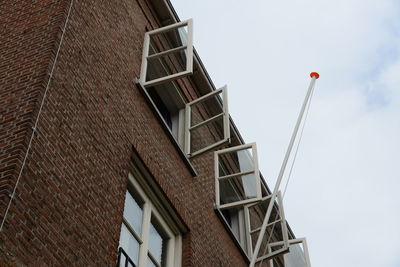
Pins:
<point x="236" y="162"/>
<point x="237" y="188"/>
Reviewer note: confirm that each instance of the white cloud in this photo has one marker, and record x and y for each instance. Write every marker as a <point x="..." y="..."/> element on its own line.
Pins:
<point x="343" y="194"/>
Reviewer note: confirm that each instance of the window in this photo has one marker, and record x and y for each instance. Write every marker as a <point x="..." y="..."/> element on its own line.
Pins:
<point x="207" y="122"/>
<point x="170" y="105"/>
<point x="197" y="126"/>
<point x="146" y="239"/>
<point x="237" y="176"/>
<point x="243" y="201"/>
<point x="167" y="53"/>
<point x="234" y="218"/>
<point x="296" y="257"/>
<point x="167" y="56"/>
<point x="276" y="231"/>
<point x="237" y="184"/>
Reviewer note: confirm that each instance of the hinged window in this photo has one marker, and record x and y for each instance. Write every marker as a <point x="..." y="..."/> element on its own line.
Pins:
<point x="276" y="231"/>
<point x="148" y="236"/>
<point x="167" y="53"/>
<point x="207" y="122"/>
<point x="237" y="176"/>
<point x="296" y="257"/>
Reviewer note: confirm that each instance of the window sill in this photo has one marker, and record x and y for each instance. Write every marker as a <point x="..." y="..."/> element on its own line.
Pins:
<point x="166" y="129"/>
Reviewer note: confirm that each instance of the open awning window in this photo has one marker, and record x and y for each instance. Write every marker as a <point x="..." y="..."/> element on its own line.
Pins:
<point x="207" y="122"/>
<point x="296" y="257"/>
<point x="167" y="53"/>
<point x="276" y="232"/>
<point x="237" y="176"/>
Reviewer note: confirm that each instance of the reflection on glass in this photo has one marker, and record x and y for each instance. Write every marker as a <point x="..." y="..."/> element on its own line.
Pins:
<point x="206" y="134"/>
<point x="183" y="35"/>
<point x="205" y="109"/>
<point x="232" y="218"/>
<point x="261" y="208"/>
<point x="237" y="188"/>
<point x="129" y="244"/>
<point x="295" y="257"/>
<point x="236" y="162"/>
<point x="133" y="213"/>
<point x="161" y="66"/>
<point x="150" y="263"/>
<point x="122" y="260"/>
<point x="155" y="243"/>
<point x="168" y="40"/>
<point x="269" y="235"/>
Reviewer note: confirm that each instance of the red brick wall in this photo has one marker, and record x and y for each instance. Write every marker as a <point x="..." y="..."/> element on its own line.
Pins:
<point x="29" y="35"/>
<point x="69" y="203"/>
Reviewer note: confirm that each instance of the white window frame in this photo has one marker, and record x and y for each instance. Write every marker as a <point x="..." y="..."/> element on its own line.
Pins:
<point x="188" y="48"/>
<point x="303" y="241"/>
<point x="255" y="171"/>
<point x="173" y="242"/>
<point x="281" y="221"/>
<point x="224" y="114"/>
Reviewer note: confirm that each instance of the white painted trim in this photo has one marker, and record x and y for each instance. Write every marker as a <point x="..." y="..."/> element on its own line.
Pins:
<point x="303" y="241"/>
<point x="227" y="128"/>
<point x="210" y="147"/>
<point x="256" y="172"/>
<point x="144" y="247"/>
<point x="174" y="249"/>
<point x="285" y="246"/>
<point x="189" y="56"/>
<point x="167" y="52"/>
<point x="248" y="229"/>
<point x="188" y="48"/>
<point x="225" y="117"/>
<point x="169" y="27"/>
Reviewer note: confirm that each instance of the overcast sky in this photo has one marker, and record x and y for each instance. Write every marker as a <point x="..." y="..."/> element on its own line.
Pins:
<point x="344" y="194"/>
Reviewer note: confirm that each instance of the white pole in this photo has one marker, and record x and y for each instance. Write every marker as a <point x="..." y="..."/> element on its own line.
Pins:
<point x="314" y="76"/>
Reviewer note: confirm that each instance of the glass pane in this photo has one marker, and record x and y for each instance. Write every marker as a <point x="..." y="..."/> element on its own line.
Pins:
<point x="236" y="162"/>
<point x="254" y="237"/>
<point x="274" y="231"/>
<point x="237" y="188"/>
<point x="278" y="261"/>
<point x="168" y="40"/>
<point x="128" y="242"/>
<point x="295" y="257"/>
<point x="232" y="218"/>
<point x="165" y="65"/>
<point x="123" y="261"/>
<point x="258" y="211"/>
<point x="133" y="213"/>
<point x="205" y="109"/>
<point x="207" y="134"/>
<point x="155" y="243"/>
<point x="150" y="263"/>
<point x="164" y="102"/>
<point x="268" y="238"/>
<point x="167" y="99"/>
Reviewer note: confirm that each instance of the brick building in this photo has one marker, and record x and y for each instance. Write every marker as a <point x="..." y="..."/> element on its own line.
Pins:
<point x="115" y="145"/>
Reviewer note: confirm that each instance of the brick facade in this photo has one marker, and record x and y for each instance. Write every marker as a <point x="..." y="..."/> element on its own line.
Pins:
<point x="69" y="202"/>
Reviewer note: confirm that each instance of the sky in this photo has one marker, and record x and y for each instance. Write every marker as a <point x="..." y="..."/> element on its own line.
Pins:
<point x="343" y="194"/>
